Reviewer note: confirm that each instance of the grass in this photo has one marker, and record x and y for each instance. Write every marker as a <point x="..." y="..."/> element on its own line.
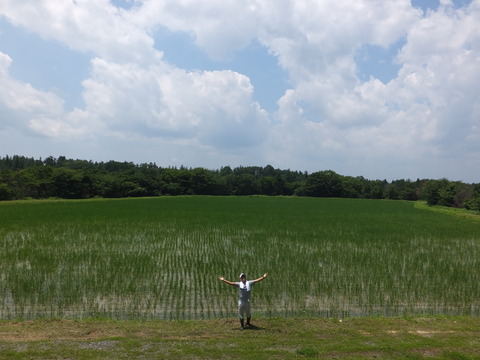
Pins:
<point x="273" y="338"/>
<point x="160" y="258"/>
<point x="464" y="213"/>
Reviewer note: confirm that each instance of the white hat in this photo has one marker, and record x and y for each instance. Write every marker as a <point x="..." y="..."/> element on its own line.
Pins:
<point x="242" y="275"/>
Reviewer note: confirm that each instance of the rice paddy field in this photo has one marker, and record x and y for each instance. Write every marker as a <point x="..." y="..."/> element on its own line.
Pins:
<point x="160" y="258"/>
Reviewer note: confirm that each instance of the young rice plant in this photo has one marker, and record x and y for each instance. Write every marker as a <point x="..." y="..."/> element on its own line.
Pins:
<point x="160" y="258"/>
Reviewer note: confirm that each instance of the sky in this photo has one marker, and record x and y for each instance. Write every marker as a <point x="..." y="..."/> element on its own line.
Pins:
<point x="373" y="88"/>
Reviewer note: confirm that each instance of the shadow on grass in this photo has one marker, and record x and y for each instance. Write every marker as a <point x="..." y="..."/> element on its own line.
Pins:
<point x="250" y="327"/>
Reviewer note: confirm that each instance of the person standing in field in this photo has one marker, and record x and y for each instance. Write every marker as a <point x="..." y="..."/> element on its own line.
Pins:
<point x="244" y="288"/>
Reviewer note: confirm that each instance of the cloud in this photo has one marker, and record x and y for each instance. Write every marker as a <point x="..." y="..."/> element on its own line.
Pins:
<point x="131" y="90"/>
<point x="329" y="117"/>
<point x="429" y="110"/>
<point x="21" y="105"/>
<point x="84" y="25"/>
<point x="214" y="108"/>
<point x="440" y="67"/>
<point x="26" y="109"/>
<point x="220" y="27"/>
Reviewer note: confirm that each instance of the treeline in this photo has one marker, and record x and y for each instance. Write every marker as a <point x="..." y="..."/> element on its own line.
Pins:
<point x="23" y="178"/>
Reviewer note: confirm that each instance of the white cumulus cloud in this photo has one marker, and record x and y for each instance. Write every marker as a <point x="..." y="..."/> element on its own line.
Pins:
<point x="423" y="122"/>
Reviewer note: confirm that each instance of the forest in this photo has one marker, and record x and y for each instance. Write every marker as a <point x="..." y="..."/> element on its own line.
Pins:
<point x="28" y="178"/>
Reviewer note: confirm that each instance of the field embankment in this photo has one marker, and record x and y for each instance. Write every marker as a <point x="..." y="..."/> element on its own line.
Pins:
<point x="273" y="338"/>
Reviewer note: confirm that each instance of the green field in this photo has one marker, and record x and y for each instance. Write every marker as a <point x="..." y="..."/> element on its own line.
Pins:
<point x="160" y="258"/>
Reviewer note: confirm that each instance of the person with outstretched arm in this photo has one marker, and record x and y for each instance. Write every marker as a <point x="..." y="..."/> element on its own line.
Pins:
<point x="244" y="288"/>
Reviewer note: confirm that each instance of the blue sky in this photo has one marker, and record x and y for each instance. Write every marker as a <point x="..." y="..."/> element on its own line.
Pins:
<point x="46" y="64"/>
<point x="382" y="90"/>
<point x="267" y="77"/>
<point x="51" y="66"/>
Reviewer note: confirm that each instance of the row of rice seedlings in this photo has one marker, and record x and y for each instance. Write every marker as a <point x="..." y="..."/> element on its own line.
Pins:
<point x="174" y="283"/>
<point x="370" y="290"/>
<point x="168" y="269"/>
<point x="372" y="283"/>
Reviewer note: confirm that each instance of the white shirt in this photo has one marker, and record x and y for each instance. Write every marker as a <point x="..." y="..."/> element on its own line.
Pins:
<point x="244" y="290"/>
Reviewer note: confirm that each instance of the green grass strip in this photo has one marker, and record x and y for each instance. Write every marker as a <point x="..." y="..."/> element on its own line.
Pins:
<point x="463" y="213"/>
<point x="274" y="338"/>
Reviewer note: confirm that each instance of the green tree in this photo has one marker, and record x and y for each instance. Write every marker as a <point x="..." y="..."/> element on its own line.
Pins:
<point x="323" y="184"/>
<point x="439" y="192"/>
<point x="203" y="182"/>
<point x="226" y="170"/>
<point x="24" y="185"/>
<point x="463" y="193"/>
<point x="243" y="184"/>
<point x="267" y="185"/>
<point x="6" y="192"/>
<point x="352" y="187"/>
<point x="68" y="183"/>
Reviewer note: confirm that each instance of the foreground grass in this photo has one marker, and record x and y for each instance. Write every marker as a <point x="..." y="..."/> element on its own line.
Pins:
<point x="273" y="338"/>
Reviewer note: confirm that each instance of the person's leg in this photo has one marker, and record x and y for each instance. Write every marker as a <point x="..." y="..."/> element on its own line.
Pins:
<point x="249" y="315"/>
<point x="241" y="311"/>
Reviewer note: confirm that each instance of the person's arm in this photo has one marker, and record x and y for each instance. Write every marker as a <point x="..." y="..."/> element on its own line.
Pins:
<point x="260" y="278"/>
<point x="221" y="278"/>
